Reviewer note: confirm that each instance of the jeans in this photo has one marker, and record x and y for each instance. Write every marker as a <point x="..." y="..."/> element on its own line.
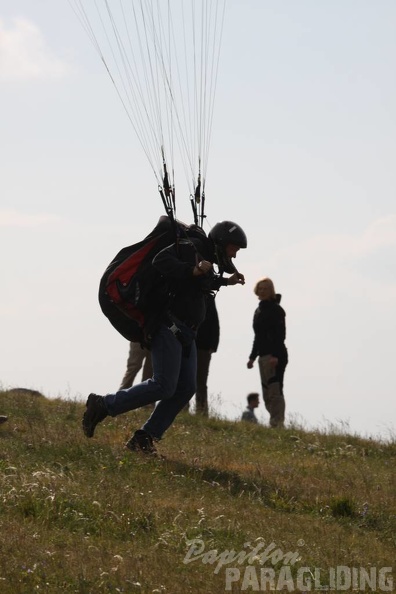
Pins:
<point x="137" y="358"/>
<point x="173" y="383"/>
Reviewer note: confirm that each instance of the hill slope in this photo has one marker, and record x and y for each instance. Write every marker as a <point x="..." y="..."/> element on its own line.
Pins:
<point x="88" y="516"/>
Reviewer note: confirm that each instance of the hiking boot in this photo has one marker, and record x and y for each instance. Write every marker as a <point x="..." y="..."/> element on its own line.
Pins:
<point x="141" y="441"/>
<point x="95" y="413"/>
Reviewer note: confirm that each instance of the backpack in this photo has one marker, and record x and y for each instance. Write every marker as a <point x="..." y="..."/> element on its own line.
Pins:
<point x="131" y="291"/>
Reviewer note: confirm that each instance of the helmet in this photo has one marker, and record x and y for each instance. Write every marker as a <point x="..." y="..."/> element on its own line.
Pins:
<point x="227" y="232"/>
<point x="222" y="234"/>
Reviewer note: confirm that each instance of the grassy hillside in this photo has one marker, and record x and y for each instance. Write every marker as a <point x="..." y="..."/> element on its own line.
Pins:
<point x="88" y="516"/>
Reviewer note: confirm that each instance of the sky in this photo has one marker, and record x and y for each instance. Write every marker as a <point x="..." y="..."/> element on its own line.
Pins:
<point x="302" y="157"/>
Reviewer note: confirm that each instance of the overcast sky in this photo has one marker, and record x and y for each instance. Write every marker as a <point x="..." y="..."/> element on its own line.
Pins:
<point x="302" y="157"/>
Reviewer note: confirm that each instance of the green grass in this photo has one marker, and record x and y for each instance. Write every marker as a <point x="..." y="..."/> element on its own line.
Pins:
<point x="88" y="516"/>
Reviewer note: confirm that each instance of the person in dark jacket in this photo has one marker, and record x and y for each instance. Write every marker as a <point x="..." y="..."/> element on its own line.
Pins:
<point x="187" y="268"/>
<point x="207" y="342"/>
<point x="269" y="346"/>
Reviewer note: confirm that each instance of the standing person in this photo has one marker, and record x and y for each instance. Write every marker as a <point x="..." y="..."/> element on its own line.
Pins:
<point x="188" y="268"/>
<point x="207" y="341"/>
<point x="138" y="357"/>
<point x="253" y="402"/>
<point x="269" y="345"/>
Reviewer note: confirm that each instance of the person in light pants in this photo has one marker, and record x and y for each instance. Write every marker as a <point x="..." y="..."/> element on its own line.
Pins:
<point x="269" y="346"/>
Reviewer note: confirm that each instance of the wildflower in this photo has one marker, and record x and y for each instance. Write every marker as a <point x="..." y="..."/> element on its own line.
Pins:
<point x="365" y="509"/>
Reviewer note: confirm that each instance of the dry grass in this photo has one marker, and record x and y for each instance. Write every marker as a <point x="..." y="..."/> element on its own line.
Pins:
<point x="87" y="516"/>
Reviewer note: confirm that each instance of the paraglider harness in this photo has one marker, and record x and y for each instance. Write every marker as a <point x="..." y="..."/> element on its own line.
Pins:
<point x="133" y="294"/>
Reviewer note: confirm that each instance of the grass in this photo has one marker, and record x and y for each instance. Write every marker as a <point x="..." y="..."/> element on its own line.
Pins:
<point x="88" y="516"/>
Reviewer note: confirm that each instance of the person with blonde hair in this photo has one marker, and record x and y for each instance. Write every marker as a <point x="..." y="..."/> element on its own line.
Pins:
<point x="269" y="346"/>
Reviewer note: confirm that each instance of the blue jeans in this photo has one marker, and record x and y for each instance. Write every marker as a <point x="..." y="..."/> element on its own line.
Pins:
<point x="173" y="383"/>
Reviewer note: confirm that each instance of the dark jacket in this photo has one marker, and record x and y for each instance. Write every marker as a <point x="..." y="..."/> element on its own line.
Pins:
<point x="188" y="292"/>
<point x="269" y="330"/>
